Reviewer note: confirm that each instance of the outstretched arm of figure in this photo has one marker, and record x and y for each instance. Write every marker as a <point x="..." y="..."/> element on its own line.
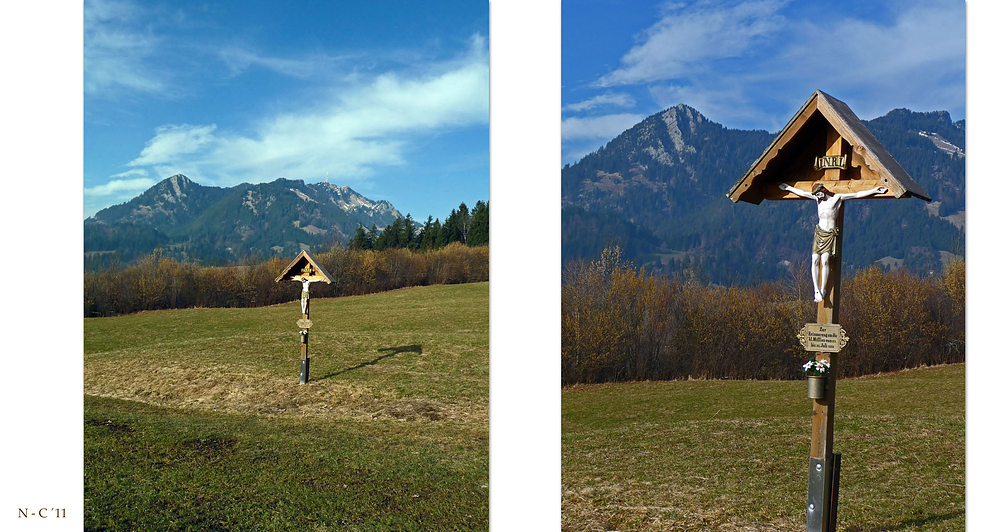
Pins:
<point x="863" y="193"/>
<point x="797" y="192"/>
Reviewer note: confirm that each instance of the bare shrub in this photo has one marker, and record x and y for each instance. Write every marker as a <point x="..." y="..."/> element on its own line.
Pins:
<point x="619" y="324"/>
<point x="156" y="283"/>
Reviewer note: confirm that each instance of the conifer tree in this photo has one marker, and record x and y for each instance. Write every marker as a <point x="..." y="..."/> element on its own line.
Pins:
<point x="449" y="230"/>
<point x="361" y="240"/>
<point x="409" y="233"/>
<point x="479" y="226"/>
<point x="425" y="240"/>
<point x="463" y="222"/>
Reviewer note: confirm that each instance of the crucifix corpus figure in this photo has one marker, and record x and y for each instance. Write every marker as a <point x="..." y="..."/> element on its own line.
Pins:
<point x="305" y="291"/>
<point x="307" y="270"/>
<point x="824" y="242"/>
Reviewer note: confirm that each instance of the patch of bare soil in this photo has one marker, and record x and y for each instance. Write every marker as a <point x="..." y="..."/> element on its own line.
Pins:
<point x="231" y="389"/>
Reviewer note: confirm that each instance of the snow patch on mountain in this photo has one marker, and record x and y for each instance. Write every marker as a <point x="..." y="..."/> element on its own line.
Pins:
<point x="942" y="144"/>
<point x="302" y="196"/>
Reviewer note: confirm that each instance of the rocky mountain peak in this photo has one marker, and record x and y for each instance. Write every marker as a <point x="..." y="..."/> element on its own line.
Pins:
<point x="172" y="189"/>
<point x="220" y="224"/>
<point x="659" y="189"/>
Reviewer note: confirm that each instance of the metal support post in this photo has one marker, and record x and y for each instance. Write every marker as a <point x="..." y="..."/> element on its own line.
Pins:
<point x="304" y="371"/>
<point x="834" y="492"/>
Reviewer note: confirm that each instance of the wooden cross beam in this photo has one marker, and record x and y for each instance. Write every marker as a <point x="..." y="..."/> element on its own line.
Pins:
<point x="825" y="143"/>
<point x="310" y="272"/>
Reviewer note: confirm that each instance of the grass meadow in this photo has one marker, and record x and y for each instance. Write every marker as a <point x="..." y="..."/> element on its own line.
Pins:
<point x="194" y="419"/>
<point x="733" y="455"/>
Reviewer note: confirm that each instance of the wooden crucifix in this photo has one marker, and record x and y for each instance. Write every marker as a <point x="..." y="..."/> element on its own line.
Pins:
<point x="306" y="270"/>
<point x="826" y="154"/>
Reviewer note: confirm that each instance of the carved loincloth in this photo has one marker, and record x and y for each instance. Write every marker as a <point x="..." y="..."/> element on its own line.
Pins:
<point x="825" y="241"/>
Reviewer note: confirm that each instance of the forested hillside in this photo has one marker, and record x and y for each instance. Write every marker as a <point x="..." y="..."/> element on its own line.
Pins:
<point x="216" y="226"/>
<point x="658" y="191"/>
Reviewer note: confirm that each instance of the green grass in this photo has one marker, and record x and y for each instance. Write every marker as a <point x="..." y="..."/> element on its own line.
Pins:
<point x="194" y="419"/>
<point x="733" y="455"/>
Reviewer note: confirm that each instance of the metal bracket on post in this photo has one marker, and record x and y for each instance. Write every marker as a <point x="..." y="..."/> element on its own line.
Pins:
<point x="304" y="360"/>
<point x="303" y="370"/>
<point x="824" y="492"/>
<point x="818" y="495"/>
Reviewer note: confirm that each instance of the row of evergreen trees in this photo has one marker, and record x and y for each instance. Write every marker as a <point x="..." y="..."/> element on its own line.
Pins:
<point x="471" y="228"/>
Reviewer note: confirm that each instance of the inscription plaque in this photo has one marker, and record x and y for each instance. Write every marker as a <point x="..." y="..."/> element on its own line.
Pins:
<point x="827" y="338"/>
<point x="831" y="161"/>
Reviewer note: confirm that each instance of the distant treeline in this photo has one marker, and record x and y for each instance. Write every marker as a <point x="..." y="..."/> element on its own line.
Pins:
<point x="619" y="324"/>
<point x="155" y="282"/>
<point x="462" y="225"/>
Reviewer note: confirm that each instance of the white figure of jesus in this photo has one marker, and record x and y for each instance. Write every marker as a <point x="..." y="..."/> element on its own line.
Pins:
<point x="824" y="241"/>
<point x="305" y="292"/>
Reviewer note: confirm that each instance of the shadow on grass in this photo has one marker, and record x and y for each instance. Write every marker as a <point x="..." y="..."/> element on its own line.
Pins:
<point x="908" y="524"/>
<point x="389" y="352"/>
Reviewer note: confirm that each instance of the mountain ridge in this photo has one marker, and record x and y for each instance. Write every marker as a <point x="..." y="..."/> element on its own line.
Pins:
<point x="658" y="190"/>
<point x="211" y="224"/>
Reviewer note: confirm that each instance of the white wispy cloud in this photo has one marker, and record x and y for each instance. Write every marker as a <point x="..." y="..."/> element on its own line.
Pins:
<point x="682" y="40"/>
<point x="123" y="188"/>
<point x="604" y="127"/>
<point x="238" y="59"/>
<point x="173" y="141"/>
<point x="740" y="62"/>
<point x="903" y="63"/>
<point x="349" y="133"/>
<point x="116" y="51"/>
<point x="608" y="99"/>
<point x="132" y="172"/>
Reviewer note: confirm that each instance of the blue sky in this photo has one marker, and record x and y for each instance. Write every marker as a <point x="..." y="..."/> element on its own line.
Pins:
<point x="389" y="98"/>
<point x="752" y="64"/>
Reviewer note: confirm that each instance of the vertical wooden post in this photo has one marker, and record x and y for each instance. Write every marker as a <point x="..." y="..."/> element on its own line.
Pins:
<point x="821" y="504"/>
<point x="304" y="360"/>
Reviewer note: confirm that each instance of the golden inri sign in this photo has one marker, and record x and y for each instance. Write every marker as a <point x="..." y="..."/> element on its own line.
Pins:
<point x="827" y="338"/>
<point x="831" y="162"/>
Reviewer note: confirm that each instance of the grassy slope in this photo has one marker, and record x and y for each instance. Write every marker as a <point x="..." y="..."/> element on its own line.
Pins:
<point x="732" y="455"/>
<point x="194" y="419"/>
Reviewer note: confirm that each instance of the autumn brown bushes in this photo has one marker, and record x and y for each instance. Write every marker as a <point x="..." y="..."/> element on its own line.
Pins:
<point x="899" y="321"/>
<point x="619" y="325"/>
<point x="158" y="283"/>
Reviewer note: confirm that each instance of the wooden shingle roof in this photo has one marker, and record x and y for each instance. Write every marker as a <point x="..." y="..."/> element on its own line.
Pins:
<point x="791" y="155"/>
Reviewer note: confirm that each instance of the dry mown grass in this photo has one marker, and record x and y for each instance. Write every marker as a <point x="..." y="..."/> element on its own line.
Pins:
<point x="417" y="355"/>
<point x="233" y="389"/>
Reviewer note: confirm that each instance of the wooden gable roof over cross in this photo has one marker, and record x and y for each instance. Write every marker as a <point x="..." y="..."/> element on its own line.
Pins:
<point x="305" y="266"/>
<point x="824" y="142"/>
